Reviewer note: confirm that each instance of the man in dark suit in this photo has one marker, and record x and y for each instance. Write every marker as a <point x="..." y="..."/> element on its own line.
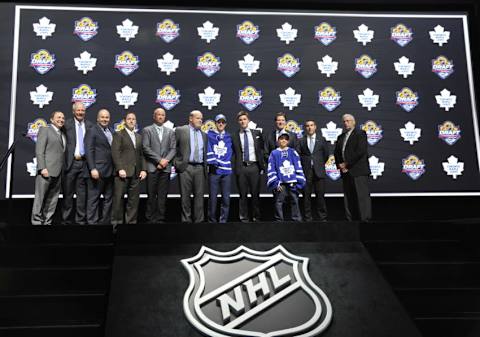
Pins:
<point x="98" y="141"/>
<point x="271" y="138"/>
<point x="313" y="152"/>
<point x="76" y="171"/>
<point x="248" y="163"/>
<point x="191" y="165"/>
<point x="159" y="147"/>
<point x="50" y="152"/>
<point x="130" y="169"/>
<point x="351" y="157"/>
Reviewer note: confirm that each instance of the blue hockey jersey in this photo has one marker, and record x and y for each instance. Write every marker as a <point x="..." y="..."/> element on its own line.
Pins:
<point x="284" y="167"/>
<point x="219" y="151"/>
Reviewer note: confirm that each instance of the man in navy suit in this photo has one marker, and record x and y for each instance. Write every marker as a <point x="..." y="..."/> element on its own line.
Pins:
<point x="98" y="151"/>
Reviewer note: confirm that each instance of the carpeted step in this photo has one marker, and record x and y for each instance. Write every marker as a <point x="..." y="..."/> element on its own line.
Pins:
<point x="72" y="329"/>
<point x="448" y="326"/>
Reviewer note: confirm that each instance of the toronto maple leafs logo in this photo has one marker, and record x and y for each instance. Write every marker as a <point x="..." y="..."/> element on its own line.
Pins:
<point x="449" y="132"/>
<point x="439" y="35"/>
<point x="331" y="168"/>
<point x="127" y="97"/>
<point x="208" y="32"/>
<point x="208" y="63"/>
<point x="413" y="166"/>
<point x="325" y="33"/>
<point x="126" y="62"/>
<point x="401" y="34"/>
<point x="373" y="130"/>
<point x="168" y="30"/>
<point x="220" y="149"/>
<point x="453" y="167"/>
<point x="331" y="132"/>
<point x="363" y="34"/>
<point x="376" y="167"/>
<point x="442" y="66"/>
<point x="327" y="66"/>
<point x="365" y="66"/>
<point x="42" y="61"/>
<point x="288" y="64"/>
<point x="34" y="127"/>
<point x="85" y="28"/>
<point x="404" y="67"/>
<point x="329" y="98"/>
<point x="446" y="100"/>
<point x="32" y="167"/>
<point x="248" y="32"/>
<point x="168" y="97"/>
<point x="287" y="34"/>
<point x="209" y="98"/>
<point x="368" y="99"/>
<point x="85" y="62"/>
<point x="410" y="133"/>
<point x="84" y="94"/>
<point x="407" y="99"/>
<point x="168" y="64"/>
<point x="41" y="96"/>
<point x="127" y="30"/>
<point x="44" y="28"/>
<point x="290" y="99"/>
<point x="287" y="169"/>
<point x="250" y="97"/>
<point x="249" y="65"/>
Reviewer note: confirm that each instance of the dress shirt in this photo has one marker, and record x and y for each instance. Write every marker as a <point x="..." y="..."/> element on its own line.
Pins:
<point x="78" y="140"/>
<point x="195" y="132"/>
<point x="132" y="137"/>
<point x="159" y="129"/>
<point x="345" y="140"/>
<point x="251" y="145"/>
<point x="61" y="135"/>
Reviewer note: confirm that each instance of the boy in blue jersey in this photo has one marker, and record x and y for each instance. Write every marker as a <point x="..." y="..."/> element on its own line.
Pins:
<point x="219" y="160"/>
<point x="285" y="177"/>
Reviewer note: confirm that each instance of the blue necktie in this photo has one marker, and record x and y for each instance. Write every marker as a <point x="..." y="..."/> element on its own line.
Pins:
<point x="246" y="154"/>
<point x="80" y="140"/>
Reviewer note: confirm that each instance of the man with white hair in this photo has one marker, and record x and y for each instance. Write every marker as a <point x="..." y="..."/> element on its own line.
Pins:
<point x="191" y="165"/>
<point x="351" y="157"/>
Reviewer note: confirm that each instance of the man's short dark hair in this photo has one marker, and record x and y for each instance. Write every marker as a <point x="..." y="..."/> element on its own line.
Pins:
<point x="128" y="113"/>
<point x="280" y="114"/>
<point x="242" y="113"/>
<point x="310" y="120"/>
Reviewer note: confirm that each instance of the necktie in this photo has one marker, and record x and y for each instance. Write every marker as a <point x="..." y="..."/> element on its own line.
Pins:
<point x="61" y="139"/>
<point x="108" y="134"/>
<point x="196" y="150"/>
<point x="246" y="154"/>
<point x="160" y="133"/>
<point x="80" y="139"/>
<point x="311" y="144"/>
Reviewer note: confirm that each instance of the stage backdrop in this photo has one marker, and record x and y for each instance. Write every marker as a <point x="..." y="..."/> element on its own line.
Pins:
<point x="407" y="79"/>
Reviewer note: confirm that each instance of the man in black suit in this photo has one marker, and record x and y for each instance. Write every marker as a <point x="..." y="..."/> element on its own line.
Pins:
<point x="76" y="172"/>
<point x="248" y="163"/>
<point x="313" y="152"/>
<point x="270" y="138"/>
<point x="98" y="141"/>
<point x="351" y="157"/>
<point x="130" y="169"/>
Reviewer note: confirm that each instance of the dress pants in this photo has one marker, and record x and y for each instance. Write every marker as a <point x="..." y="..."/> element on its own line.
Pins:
<point x="74" y="181"/>
<point x="192" y="181"/>
<point x="280" y="199"/>
<point x="314" y="185"/>
<point x="157" y="190"/>
<point x="219" y="182"/>
<point x="131" y="186"/>
<point x="248" y="180"/>
<point x="96" y="213"/>
<point x="46" y="198"/>
<point x="356" y="198"/>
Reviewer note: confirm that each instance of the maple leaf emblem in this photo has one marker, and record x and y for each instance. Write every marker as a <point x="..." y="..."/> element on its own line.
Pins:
<point x="327" y="66"/>
<point x="363" y="34"/>
<point x="446" y="100"/>
<point x="439" y="35"/>
<point x="126" y="97"/>
<point x="127" y="30"/>
<point x="286" y="33"/>
<point x="331" y="132"/>
<point x="32" y="167"/>
<point x="41" y="96"/>
<point x="168" y="64"/>
<point x="209" y="98"/>
<point x="290" y="99"/>
<point x="368" y="99"/>
<point x="44" y="28"/>
<point x="249" y="65"/>
<point x="376" y="167"/>
<point x="404" y="67"/>
<point x="207" y="31"/>
<point x="85" y="62"/>
<point x="410" y="133"/>
<point x="453" y="167"/>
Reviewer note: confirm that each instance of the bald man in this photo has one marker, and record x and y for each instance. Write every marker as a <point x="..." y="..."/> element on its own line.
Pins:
<point x="191" y="165"/>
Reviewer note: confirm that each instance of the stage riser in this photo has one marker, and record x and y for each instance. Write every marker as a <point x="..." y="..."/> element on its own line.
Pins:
<point x="90" y="330"/>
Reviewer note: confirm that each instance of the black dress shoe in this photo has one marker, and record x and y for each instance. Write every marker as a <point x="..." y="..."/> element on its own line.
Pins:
<point x="308" y="220"/>
<point x="256" y="220"/>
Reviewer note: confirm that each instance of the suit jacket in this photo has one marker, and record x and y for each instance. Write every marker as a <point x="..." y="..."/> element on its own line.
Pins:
<point x="98" y="151"/>
<point x="356" y="153"/>
<point x="153" y="150"/>
<point x="49" y="151"/>
<point x="319" y="156"/>
<point x="71" y="134"/>
<point x="182" y="155"/>
<point x="270" y="142"/>
<point x="238" y="151"/>
<point x="125" y="156"/>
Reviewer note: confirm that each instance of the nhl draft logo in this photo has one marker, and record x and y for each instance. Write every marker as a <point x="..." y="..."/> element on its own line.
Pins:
<point x="374" y="132"/>
<point x="34" y="127"/>
<point x="250" y="98"/>
<point x="42" y="61"/>
<point x="126" y="62"/>
<point x="168" y="30"/>
<point x="365" y="66"/>
<point x="449" y="132"/>
<point x="442" y="66"/>
<point x="208" y="63"/>
<point x="401" y="34"/>
<point x="331" y="168"/>
<point x="407" y="99"/>
<point x="168" y="97"/>
<point x="294" y="127"/>
<point x="226" y="303"/>
<point x="288" y="65"/>
<point x="248" y="32"/>
<point x="413" y="166"/>
<point x="85" y="28"/>
<point x="325" y="33"/>
<point x="85" y="94"/>
<point x="329" y="98"/>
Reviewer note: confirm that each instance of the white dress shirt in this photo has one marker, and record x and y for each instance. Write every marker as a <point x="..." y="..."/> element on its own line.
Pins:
<point x="132" y="137"/>
<point x="251" y="145"/>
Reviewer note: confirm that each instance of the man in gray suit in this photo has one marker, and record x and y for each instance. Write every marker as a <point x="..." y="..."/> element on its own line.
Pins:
<point x="191" y="164"/>
<point x="50" y="153"/>
<point x="159" y="147"/>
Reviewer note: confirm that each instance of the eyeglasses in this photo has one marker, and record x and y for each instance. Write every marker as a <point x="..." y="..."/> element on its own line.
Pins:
<point x="220" y="122"/>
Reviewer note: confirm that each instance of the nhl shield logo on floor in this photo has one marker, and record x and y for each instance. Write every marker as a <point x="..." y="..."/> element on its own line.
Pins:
<point x="245" y="292"/>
